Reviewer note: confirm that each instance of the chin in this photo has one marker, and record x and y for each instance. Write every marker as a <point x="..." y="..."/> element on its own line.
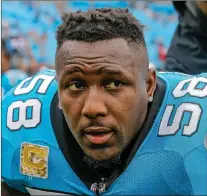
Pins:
<point x="102" y="154"/>
<point x="102" y="159"/>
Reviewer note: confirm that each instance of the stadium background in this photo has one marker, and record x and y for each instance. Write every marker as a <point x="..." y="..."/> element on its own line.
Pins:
<point x="28" y="31"/>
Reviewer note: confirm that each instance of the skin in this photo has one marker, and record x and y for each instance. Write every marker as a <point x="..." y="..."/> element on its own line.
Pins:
<point x="202" y="6"/>
<point x="121" y="107"/>
<point x="104" y="84"/>
<point x="5" y="62"/>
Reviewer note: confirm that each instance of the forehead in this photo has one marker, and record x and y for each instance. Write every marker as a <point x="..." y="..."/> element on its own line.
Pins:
<point x="117" y="49"/>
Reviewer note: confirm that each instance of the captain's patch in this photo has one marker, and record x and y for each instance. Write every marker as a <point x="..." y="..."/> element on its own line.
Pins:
<point x="34" y="160"/>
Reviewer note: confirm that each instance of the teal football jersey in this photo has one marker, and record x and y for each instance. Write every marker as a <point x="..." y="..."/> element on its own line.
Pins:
<point x="171" y="160"/>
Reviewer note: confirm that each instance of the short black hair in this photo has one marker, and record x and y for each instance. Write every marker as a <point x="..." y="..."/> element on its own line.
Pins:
<point x="100" y="24"/>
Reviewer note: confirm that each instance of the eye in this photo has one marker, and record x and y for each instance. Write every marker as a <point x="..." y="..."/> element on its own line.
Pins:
<point x="77" y="86"/>
<point x="114" y="84"/>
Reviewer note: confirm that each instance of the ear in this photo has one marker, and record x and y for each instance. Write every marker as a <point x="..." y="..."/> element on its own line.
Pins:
<point x="151" y="82"/>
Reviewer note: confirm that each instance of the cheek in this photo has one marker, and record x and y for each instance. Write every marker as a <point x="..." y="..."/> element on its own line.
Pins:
<point x="123" y="108"/>
<point x="129" y="109"/>
<point x="124" y="102"/>
<point x="71" y="108"/>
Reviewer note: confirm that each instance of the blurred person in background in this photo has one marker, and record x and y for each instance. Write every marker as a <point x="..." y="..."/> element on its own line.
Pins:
<point x="5" y="55"/>
<point x="5" y="66"/>
<point x="18" y="61"/>
<point x="161" y="50"/>
<point x="5" y="29"/>
<point x="188" y="49"/>
<point x="36" y="21"/>
<point x="103" y="122"/>
<point x="12" y="64"/>
<point x="34" y="67"/>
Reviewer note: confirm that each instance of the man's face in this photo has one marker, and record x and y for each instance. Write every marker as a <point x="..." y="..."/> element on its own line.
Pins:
<point x="103" y="93"/>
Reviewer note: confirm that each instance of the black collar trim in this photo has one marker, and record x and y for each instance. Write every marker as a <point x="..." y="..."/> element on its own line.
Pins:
<point x="74" y="154"/>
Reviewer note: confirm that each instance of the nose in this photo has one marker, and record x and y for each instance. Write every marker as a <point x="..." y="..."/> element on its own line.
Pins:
<point x="94" y="105"/>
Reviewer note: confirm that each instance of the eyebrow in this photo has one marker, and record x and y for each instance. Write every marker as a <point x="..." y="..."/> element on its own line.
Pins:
<point x="108" y="71"/>
<point x="71" y="70"/>
<point x="102" y="70"/>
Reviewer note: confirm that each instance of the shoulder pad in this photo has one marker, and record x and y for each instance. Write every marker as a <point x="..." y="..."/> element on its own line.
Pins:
<point x="26" y="112"/>
<point x="26" y="118"/>
<point x="181" y="121"/>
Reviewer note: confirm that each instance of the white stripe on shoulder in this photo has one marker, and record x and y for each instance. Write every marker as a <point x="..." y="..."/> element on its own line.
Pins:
<point x="40" y="192"/>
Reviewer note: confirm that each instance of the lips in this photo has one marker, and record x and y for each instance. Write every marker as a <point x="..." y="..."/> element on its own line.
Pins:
<point x="98" y="135"/>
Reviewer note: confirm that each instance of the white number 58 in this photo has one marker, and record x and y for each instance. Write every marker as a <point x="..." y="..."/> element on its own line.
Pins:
<point x="22" y="108"/>
<point x="194" y="109"/>
<point x="15" y="121"/>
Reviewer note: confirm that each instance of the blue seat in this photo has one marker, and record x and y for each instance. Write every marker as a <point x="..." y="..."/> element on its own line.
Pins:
<point x="143" y="18"/>
<point x="162" y="8"/>
<point x="51" y="46"/>
<point x="110" y="4"/>
<point x="79" y="5"/>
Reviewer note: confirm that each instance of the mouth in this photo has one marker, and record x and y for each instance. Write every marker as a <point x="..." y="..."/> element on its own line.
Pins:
<point x="98" y="135"/>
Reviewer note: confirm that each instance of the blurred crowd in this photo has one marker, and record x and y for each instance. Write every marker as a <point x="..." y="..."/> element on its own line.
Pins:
<point x="28" y="32"/>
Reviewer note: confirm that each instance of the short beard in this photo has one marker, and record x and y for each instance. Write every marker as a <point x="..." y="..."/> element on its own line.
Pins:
<point x="103" y="164"/>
